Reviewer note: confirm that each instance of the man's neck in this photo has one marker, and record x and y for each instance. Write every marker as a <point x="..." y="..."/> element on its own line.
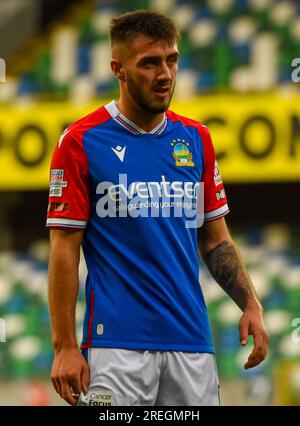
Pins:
<point x="143" y="119"/>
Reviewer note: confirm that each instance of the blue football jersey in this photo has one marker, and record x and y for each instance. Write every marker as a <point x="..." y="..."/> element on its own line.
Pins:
<point x="136" y="195"/>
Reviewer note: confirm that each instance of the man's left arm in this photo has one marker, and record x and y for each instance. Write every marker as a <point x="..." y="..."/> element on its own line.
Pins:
<point x="226" y="266"/>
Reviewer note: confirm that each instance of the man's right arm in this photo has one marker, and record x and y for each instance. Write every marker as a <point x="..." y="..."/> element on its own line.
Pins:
<point x="70" y="372"/>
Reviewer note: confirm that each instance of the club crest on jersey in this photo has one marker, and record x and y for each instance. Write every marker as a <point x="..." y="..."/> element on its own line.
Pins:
<point x="181" y="153"/>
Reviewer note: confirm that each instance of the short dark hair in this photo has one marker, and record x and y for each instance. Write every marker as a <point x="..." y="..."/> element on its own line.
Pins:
<point x="143" y="22"/>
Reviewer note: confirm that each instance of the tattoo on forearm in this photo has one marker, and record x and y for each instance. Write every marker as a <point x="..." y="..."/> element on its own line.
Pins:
<point x="226" y="266"/>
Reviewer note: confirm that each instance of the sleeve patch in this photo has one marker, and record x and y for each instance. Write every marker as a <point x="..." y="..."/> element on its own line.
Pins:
<point x="58" y="207"/>
<point x="221" y="195"/>
<point x="57" y="182"/>
<point x="217" y="175"/>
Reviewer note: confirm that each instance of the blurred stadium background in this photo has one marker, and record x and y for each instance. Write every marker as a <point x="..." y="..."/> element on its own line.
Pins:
<point x="235" y="76"/>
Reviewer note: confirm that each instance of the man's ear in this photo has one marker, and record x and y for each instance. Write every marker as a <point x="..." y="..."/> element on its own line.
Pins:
<point x="117" y="69"/>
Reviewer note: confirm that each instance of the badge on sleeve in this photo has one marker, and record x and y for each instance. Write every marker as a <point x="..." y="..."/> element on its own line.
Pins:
<point x="57" y="182"/>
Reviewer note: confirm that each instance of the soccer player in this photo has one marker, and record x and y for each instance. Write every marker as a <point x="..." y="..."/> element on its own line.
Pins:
<point x="124" y="184"/>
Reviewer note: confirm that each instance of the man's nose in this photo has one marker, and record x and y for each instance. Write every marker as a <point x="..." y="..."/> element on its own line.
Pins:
<point x="165" y="73"/>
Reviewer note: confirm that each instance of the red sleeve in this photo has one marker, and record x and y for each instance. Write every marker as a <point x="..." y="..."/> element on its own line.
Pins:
<point x="215" y="202"/>
<point x="69" y="196"/>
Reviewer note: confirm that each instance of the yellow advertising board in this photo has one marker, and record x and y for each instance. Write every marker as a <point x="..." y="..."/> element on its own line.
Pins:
<point x="256" y="138"/>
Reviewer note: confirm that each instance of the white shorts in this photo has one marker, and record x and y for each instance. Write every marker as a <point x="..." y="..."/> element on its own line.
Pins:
<point x="120" y="377"/>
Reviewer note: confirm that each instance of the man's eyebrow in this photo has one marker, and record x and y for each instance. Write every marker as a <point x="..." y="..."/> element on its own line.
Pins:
<point x="150" y="58"/>
<point x="176" y="54"/>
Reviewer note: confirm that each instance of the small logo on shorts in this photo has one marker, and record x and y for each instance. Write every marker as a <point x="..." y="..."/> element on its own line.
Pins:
<point x="100" y="398"/>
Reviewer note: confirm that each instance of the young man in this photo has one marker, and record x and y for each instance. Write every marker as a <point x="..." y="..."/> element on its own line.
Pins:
<point x="118" y="179"/>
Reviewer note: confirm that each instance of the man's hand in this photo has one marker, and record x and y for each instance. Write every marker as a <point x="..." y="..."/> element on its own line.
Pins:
<point x="251" y="323"/>
<point x="70" y="374"/>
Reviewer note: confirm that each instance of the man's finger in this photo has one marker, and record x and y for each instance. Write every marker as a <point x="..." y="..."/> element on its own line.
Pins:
<point x="55" y="385"/>
<point x="55" y="379"/>
<point x="66" y="392"/>
<point x="253" y="361"/>
<point x="243" y="329"/>
<point x="85" y="378"/>
<point x="260" y="344"/>
<point x="74" y="381"/>
<point x="258" y="353"/>
<point x="75" y="384"/>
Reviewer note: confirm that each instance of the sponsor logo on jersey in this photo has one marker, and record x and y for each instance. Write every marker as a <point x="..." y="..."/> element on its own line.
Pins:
<point x="57" y="182"/>
<point x="151" y="189"/>
<point x="181" y="153"/>
<point x="151" y="199"/>
<point x="120" y="152"/>
<point x="217" y="175"/>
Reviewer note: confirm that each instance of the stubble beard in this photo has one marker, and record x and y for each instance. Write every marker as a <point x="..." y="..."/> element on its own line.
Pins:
<point x="145" y="103"/>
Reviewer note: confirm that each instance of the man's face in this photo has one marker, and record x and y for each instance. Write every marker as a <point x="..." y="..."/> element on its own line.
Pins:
<point x="150" y="69"/>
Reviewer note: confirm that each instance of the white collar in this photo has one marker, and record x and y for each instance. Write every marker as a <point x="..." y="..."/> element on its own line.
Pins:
<point x="129" y="125"/>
